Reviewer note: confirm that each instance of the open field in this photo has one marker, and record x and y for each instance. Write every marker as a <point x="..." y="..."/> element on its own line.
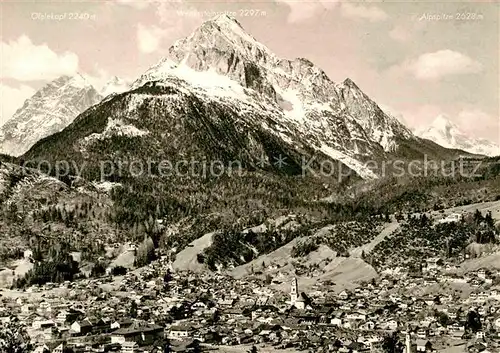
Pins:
<point x="187" y="258"/>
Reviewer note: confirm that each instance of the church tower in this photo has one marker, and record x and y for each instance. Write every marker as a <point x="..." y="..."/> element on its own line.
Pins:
<point x="294" y="291"/>
<point x="408" y="341"/>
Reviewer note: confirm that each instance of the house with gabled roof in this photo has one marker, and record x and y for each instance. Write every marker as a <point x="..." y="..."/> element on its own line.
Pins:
<point x="82" y="327"/>
<point x="122" y="323"/>
<point x="344" y="295"/>
<point x="180" y="332"/>
<point x="140" y="332"/>
<point x="42" y="348"/>
<point x="424" y="345"/>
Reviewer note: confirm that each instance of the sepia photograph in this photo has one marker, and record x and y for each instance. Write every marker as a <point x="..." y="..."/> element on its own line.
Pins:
<point x="249" y="176"/>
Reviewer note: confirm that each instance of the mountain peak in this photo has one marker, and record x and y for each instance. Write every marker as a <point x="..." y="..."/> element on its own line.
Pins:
<point x="64" y="82"/>
<point x="444" y="132"/>
<point x="115" y="79"/>
<point x="350" y="83"/>
<point x="62" y="79"/>
<point x="225" y="20"/>
<point x="114" y="85"/>
<point x="49" y="110"/>
<point x="222" y="32"/>
<point x="221" y="47"/>
<point x="442" y="122"/>
<point x="79" y="80"/>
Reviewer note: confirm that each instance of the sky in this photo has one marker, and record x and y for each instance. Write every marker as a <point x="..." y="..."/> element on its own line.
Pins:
<point x="417" y="60"/>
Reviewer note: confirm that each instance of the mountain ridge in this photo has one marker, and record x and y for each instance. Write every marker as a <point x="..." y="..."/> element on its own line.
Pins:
<point x="239" y="98"/>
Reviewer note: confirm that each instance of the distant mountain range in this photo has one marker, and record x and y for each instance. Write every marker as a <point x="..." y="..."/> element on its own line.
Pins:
<point x="447" y="134"/>
<point x="51" y="109"/>
<point x="297" y="103"/>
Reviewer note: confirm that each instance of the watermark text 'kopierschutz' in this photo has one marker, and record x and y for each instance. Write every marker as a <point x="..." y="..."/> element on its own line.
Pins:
<point x="314" y="165"/>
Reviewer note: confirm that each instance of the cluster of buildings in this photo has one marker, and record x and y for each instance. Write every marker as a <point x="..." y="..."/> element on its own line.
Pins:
<point x="152" y="309"/>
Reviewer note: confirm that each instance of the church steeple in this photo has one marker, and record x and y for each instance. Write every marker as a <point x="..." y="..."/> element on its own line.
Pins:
<point x="408" y="340"/>
<point x="294" y="291"/>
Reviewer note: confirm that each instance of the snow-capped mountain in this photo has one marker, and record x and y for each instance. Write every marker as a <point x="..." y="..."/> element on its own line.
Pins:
<point x="48" y="111"/>
<point x="220" y="94"/>
<point x="115" y="85"/>
<point x="337" y="119"/>
<point x="447" y="134"/>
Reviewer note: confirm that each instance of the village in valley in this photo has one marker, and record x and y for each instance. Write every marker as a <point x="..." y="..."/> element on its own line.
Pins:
<point x="159" y="309"/>
<point x="306" y="176"/>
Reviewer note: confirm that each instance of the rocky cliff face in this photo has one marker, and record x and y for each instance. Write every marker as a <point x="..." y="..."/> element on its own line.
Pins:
<point x="50" y="110"/>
